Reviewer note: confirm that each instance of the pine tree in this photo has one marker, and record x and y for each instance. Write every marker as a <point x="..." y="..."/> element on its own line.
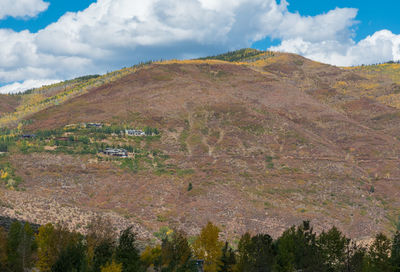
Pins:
<point x="297" y="250"/>
<point x="102" y="255"/>
<point x="176" y="254"/>
<point x="333" y="245"/>
<point x="262" y="253"/>
<point x="228" y="259"/>
<point x="13" y="243"/>
<point x="379" y="253"/>
<point x="27" y="246"/>
<point x="127" y="253"/>
<point x="72" y="258"/>
<point x="3" y="249"/>
<point x="244" y="262"/>
<point x="395" y="252"/>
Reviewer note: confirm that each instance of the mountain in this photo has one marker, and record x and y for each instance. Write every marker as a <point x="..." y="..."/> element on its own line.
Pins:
<point x="251" y="140"/>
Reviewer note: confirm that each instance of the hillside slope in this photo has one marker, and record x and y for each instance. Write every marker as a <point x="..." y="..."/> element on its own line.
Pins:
<point x="264" y="142"/>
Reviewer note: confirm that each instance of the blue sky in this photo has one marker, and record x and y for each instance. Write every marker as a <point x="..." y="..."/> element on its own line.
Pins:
<point x="44" y="41"/>
<point x="372" y="17"/>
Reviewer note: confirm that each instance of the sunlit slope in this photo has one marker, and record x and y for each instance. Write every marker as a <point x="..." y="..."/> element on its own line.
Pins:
<point x="265" y="139"/>
<point x="38" y="99"/>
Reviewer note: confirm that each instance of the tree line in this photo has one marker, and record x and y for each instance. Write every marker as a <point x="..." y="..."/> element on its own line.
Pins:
<point x="54" y="248"/>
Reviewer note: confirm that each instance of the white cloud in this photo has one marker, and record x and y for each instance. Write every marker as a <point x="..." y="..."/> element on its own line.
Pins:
<point x="111" y="34"/>
<point x="17" y="87"/>
<point x="22" y="8"/>
<point x="380" y="47"/>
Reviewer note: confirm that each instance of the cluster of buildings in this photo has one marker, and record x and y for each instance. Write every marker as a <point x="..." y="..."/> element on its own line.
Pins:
<point x="134" y="132"/>
<point x="116" y="152"/>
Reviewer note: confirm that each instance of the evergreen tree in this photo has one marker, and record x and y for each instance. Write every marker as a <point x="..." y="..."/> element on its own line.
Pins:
<point x="256" y="254"/>
<point x="228" y="259"/>
<point x="395" y="252"/>
<point x="297" y="250"/>
<point x="14" y="260"/>
<point x="103" y="254"/>
<point x="176" y="254"/>
<point x="355" y="258"/>
<point x="27" y="246"/>
<point x="72" y="258"/>
<point x="333" y="245"/>
<point x="3" y="249"/>
<point x="243" y="253"/>
<point x="127" y="253"/>
<point x="262" y="253"/>
<point x="378" y="255"/>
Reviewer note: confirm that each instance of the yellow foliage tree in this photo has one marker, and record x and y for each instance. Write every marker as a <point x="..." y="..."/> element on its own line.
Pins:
<point x="208" y="247"/>
<point x="151" y="256"/>
<point x="43" y="239"/>
<point x="3" y="174"/>
<point x="50" y="242"/>
<point x="112" y="267"/>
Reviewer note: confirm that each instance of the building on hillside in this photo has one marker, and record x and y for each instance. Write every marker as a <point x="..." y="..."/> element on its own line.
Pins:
<point x="116" y="152"/>
<point x="94" y="125"/>
<point x="28" y="136"/>
<point x="134" y="132"/>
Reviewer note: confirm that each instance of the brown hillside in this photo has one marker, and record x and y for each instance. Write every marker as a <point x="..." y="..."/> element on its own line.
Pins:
<point x="268" y="144"/>
<point x="8" y="103"/>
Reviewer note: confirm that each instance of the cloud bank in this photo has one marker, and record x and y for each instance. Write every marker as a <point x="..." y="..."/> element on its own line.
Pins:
<point x="22" y="8"/>
<point x="110" y="34"/>
<point x="26" y="85"/>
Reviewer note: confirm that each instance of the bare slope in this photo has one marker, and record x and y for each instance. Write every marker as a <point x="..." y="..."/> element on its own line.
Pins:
<point x="271" y="141"/>
<point x="8" y="103"/>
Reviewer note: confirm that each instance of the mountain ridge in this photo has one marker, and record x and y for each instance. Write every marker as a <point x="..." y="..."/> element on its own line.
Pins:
<point x="266" y="142"/>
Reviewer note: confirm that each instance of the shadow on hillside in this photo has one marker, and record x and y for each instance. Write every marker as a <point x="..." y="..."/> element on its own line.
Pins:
<point x="6" y="222"/>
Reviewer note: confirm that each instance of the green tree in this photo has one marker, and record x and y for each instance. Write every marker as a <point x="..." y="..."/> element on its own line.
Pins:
<point x="355" y="258"/>
<point x="333" y="245"/>
<point x="103" y="254"/>
<point x="208" y="247"/>
<point x="51" y="241"/>
<point x="378" y="255"/>
<point x="297" y="250"/>
<point x="127" y="253"/>
<point x="27" y="246"/>
<point x="262" y="253"/>
<point x="228" y="259"/>
<point x="14" y="260"/>
<point x="100" y="242"/>
<point x="256" y="253"/>
<point x="244" y="262"/>
<point x="3" y="249"/>
<point x="395" y="252"/>
<point x="72" y="258"/>
<point x="176" y="254"/>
